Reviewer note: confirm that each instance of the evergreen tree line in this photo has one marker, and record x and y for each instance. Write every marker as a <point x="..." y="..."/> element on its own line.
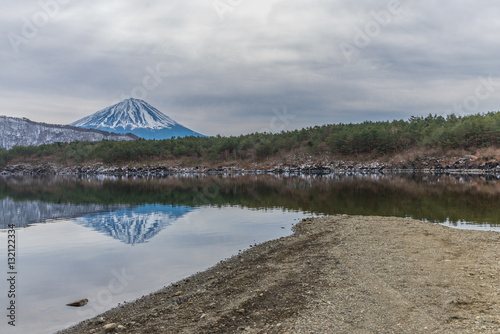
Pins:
<point x="379" y="138"/>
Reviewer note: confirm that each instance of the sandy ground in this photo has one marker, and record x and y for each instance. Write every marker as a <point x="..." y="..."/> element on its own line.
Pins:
<point x="338" y="274"/>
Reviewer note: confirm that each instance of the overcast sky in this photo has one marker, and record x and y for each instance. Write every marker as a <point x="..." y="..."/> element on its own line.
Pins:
<point x="240" y="66"/>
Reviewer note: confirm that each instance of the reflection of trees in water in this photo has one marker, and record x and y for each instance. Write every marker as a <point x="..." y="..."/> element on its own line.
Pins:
<point x="422" y="196"/>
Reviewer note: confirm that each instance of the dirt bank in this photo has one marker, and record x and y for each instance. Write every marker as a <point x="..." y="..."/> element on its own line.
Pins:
<point x="339" y="274"/>
<point x="485" y="160"/>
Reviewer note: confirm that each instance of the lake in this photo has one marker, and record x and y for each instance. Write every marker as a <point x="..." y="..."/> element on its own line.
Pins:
<point x="113" y="239"/>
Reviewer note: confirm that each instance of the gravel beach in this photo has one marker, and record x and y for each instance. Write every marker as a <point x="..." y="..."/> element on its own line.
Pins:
<point x="337" y="274"/>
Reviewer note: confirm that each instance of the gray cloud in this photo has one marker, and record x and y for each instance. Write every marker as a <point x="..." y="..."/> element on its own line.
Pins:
<point x="227" y="75"/>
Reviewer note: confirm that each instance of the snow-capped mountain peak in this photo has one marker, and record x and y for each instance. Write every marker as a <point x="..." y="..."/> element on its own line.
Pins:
<point x="128" y="114"/>
<point x="137" y="117"/>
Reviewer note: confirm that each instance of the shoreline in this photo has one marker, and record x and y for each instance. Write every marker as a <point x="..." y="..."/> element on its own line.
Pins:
<point x="469" y="164"/>
<point x="336" y="274"/>
<point x="98" y="170"/>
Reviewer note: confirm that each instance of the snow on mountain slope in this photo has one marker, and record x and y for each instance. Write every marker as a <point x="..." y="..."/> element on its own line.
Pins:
<point x="129" y="114"/>
<point x="23" y="132"/>
<point x="137" y="117"/>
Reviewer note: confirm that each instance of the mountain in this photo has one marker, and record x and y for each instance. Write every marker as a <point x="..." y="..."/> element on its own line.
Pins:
<point x="23" y="132"/>
<point x="137" y="117"/>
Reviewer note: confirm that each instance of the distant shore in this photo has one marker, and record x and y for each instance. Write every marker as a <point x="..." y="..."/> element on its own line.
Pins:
<point x="337" y="274"/>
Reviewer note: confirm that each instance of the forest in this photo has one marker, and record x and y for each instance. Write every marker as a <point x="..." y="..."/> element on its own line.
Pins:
<point x="374" y="138"/>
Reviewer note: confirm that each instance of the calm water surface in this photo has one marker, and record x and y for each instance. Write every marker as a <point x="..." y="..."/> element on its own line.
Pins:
<point x="115" y="239"/>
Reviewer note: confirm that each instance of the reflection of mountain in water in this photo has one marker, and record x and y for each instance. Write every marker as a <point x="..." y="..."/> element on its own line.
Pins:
<point x="134" y="226"/>
<point x="131" y="225"/>
<point x="25" y="213"/>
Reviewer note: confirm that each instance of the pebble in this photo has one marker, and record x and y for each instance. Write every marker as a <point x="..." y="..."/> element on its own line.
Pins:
<point x="110" y="327"/>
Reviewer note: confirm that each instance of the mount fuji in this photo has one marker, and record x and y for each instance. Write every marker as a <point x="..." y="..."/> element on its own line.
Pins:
<point x="137" y="117"/>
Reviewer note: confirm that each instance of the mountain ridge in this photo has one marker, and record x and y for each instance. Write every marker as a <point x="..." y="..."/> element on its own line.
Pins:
<point x="24" y="132"/>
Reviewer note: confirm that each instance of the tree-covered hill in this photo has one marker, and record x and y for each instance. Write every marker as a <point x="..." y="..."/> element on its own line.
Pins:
<point x="374" y="138"/>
